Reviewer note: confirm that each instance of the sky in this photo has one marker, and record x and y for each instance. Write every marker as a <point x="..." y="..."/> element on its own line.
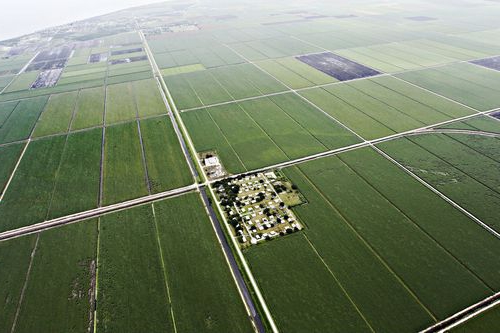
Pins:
<point x="19" y="17"/>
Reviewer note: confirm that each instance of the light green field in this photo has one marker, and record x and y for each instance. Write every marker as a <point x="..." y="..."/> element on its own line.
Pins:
<point x="57" y="116"/>
<point x="8" y="159"/>
<point x="120" y="103"/>
<point x="89" y="108"/>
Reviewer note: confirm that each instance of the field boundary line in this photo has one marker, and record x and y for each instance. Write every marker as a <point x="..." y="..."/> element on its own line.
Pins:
<point x="12" y="174"/>
<point x="25" y="285"/>
<point x="444" y="197"/>
<point x="369" y="247"/>
<point x="464" y="315"/>
<point x="165" y="275"/>
<point x="139" y="132"/>
<point x="339" y="283"/>
<point x="103" y="141"/>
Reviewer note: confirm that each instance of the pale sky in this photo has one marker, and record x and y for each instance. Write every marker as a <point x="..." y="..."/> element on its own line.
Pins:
<point x="19" y="17"/>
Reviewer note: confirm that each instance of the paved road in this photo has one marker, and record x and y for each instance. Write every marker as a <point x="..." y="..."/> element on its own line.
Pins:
<point x="93" y="213"/>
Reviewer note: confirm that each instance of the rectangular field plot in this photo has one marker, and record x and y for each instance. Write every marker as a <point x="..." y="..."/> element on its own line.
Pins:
<point x="219" y="85"/>
<point x="360" y="220"/>
<point x="336" y="66"/>
<point x="89" y="108"/>
<point x="120" y="103"/>
<point x="148" y="98"/>
<point x="77" y="183"/>
<point x="57" y="116"/>
<point x="493" y="63"/>
<point x="15" y="257"/>
<point x="451" y="163"/>
<point x="132" y="293"/>
<point x="297" y="307"/>
<point x="383" y="106"/>
<point x="20" y="123"/>
<point x="124" y="174"/>
<point x="4" y="81"/>
<point x="28" y="197"/>
<point x="166" y="165"/>
<point x="59" y="295"/>
<point x="294" y="73"/>
<point x="266" y="131"/>
<point x="182" y="222"/>
<point x="8" y="158"/>
<point x="6" y="110"/>
<point x="466" y="83"/>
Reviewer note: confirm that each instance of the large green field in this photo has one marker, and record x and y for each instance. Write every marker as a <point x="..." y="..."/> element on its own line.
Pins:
<point x="15" y="259"/>
<point x="89" y="108"/>
<point x="131" y="290"/>
<point x="58" y="294"/>
<point x="466" y="83"/>
<point x="361" y="236"/>
<point x="124" y="174"/>
<point x="383" y="106"/>
<point x="166" y="165"/>
<point x="57" y="115"/>
<point x="9" y="156"/>
<point x="276" y="129"/>
<point x="77" y="183"/>
<point x="203" y="293"/>
<point x="29" y="195"/>
<point x="467" y="176"/>
<point x="19" y="124"/>
<point x="218" y="85"/>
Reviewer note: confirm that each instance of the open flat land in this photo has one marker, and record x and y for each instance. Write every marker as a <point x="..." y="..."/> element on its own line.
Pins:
<point x="284" y="166"/>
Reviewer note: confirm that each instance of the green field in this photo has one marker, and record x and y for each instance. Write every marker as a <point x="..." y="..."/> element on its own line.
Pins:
<point x="388" y="230"/>
<point x="131" y="290"/>
<point x="276" y="128"/>
<point x="120" y="103"/>
<point x="14" y="260"/>
<point x="8" y="159"/>
<point x="29" y="194"/>
<point x="20" y="123"/>
<point x="167" y="167"/>
<point x="218" y="85"/>
<point x="124" y="174"/>
<point x="466" y="83"/>
<point x="6" y="110"/>
<point x="295" y="73"/>
<point x="454" y="169"/>
<point x="383" y="106"/>
<point x="148" y="97"/>
<point x="89" y="108"/>
<point x="57" y="116"/>
<point x="77" y="182"/>
<point x="203" y="293"/>
<point x="57" y="297"/>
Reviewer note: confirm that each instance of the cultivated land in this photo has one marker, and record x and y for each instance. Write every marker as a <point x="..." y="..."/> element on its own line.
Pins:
<point x="379" y="119"/>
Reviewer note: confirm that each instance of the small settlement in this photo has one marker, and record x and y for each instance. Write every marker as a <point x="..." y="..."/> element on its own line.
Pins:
<point x="258" y="206"/>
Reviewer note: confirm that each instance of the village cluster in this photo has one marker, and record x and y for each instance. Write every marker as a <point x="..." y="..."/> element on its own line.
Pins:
<point x="254" y="206"/>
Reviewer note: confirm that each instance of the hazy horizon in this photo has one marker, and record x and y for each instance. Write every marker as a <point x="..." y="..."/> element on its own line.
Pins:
<point x="23" y="17"/>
